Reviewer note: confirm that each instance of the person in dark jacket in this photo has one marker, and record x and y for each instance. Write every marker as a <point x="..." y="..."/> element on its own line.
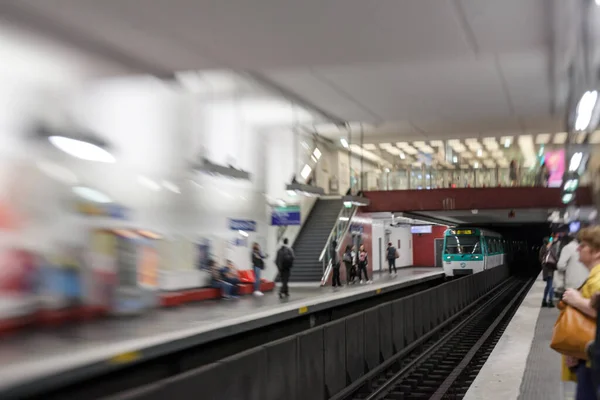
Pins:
<point x="258" y="264"/>
<point x="549" y="260"/>
<point x="349" y="264"/>
<point x="285" y="262"/>
<point x="392" y="254"/>
<point x="335" y="264"/>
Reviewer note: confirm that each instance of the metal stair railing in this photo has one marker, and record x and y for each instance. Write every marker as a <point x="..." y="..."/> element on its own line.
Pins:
<point x="338" y="233"/>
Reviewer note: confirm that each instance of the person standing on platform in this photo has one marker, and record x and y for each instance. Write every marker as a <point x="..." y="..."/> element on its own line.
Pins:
<point x="348" y="262"/>
<point x="548" y="259"/>
<point x="392" y="254"/>
<point x="570" y="272"/>
<point x="258" y="264"/>
<point x="589" y="255"/>
<point x="335" y="264"/>
<point x="285" y="262"/>
<point x="363" y="262"/>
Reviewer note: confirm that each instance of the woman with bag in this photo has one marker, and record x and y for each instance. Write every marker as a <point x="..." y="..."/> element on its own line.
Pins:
<point x="549" y="259"/>
<point x="576" y="326"/>
<point x="258" y="264"/>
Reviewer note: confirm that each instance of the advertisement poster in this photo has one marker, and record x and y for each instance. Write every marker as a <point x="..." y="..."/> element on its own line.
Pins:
<point x="148" y="265"/>
<point x="555" y="162"/>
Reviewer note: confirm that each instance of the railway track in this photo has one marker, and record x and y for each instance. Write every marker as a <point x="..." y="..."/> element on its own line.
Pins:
<point x="444" y="363"/>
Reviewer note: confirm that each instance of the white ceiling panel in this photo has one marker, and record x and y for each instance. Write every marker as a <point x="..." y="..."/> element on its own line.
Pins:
<point x="275" y="33"/>
<point x="527" y="79"/>
<point x="320" y="94"/>
<point x="508" y="25"/>
<point x="424" y="90"/>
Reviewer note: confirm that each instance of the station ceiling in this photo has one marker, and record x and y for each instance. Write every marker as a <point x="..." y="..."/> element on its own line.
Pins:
<point x="405" y="69"/>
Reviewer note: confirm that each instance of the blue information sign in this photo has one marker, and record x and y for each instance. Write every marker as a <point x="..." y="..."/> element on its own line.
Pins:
<point x="283" y="216"/>
<point x="242" y="225"/>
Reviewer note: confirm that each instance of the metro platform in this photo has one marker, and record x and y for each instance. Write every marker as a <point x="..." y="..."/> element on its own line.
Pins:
<point x="39" y="360"/>
<point x="522" y="365"/>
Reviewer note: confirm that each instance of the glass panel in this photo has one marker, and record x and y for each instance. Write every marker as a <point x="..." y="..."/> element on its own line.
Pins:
<point x="462" y="245"/>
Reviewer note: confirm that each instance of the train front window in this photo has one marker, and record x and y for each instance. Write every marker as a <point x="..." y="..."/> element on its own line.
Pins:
<point x="462" y="245"/>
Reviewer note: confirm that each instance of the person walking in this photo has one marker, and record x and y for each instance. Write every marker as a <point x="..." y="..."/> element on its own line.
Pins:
<point x="363" y="262"/>
<point x="392" y="254"/>
<point x="258" y="264"/>
<point x="285" y="262"/>
<point x="335" y="264"/>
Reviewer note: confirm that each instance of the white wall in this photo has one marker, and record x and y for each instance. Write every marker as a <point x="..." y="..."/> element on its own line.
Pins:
<point x="401" y="233"/>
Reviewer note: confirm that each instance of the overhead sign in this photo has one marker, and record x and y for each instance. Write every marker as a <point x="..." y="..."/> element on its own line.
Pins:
<point x="420" y="229"/>
<point x="242" y="225"/>
<point x="283" y="216"/>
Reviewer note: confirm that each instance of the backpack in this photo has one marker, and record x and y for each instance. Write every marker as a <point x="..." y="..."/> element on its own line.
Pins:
<point x="347" y="257"/>
<point x="391" y="252"/>
<point x="287" y="258"/>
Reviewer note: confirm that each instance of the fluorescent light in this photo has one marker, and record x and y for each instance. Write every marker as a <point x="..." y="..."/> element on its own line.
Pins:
<point x="317" y="153"/>
<point x="344" y="219"/>
<point x="91" y="194"/>
<point x="567" y="197"/>
<point x="575" y="161"/>
<point x="454" y="159"/>
<point x="243" y="233"/>
<point x="171" y="186"/>
<point x="437" y="143"/>
<point x="149" y="183"/>
<point x="368" y="146"/>
<point x="479" y="152"/>
<point x="476" y="164"/>
<point x="344" y="143"/>
<point x="507" y="141"/>
<point x="305" y="171"/>
<point x="313" y="158"/>
<point x="585" y="107"/>
<point x="82" y="149"/>
<point x="402" y="156"/>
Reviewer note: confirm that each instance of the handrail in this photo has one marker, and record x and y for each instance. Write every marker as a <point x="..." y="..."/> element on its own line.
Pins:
<point x="328" y="267"/>
<point x="337" y="221"/>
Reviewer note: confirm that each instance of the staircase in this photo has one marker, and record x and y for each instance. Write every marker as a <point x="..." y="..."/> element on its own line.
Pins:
<point x="311" y="240"/>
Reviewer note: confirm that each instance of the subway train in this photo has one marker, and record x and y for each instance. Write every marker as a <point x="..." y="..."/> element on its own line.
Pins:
<point x="472" y="250"/>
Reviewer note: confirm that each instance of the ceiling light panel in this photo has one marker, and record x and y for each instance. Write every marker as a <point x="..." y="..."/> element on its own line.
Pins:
<point x="498" y="154"/>
<point x="385" y="145"/>
<point x="560" y="138"/>
<point x="437" y="143"/>
<point x="370" y="146"/>
<point x="419" y="144"/>
<point x="402" y="144"/>
<point x="595" y="137"/>
<point x="467" y="154"/>
<point x="410" y="150"/>
<point x="542" y="138"/>
<point x="394" y="151"/>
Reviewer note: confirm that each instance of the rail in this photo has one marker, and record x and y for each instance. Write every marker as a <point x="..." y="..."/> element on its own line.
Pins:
<point x="457" y="341"/>
<point x="338" y="232"/>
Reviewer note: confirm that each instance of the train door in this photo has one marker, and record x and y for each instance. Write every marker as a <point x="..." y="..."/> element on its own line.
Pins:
<point x="484" y="251"/>
<point x="439" y="249"/>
